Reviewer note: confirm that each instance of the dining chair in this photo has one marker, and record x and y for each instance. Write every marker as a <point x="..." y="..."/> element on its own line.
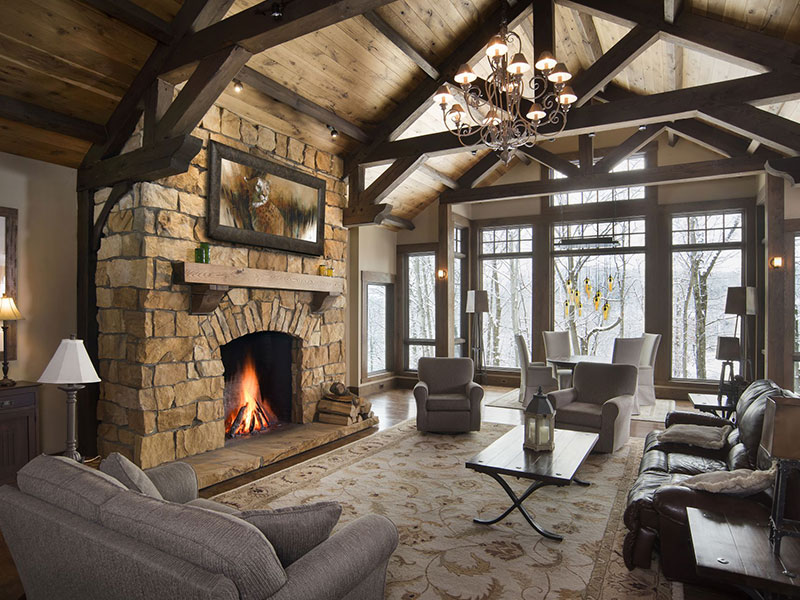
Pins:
<point x="646" y="390"/>
<point x="532" y="375"/>
<point x="556" y="344"/>
<point x="628" y="351"/>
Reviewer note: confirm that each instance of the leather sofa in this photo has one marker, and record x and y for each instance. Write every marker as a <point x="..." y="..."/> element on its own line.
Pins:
<point x="656" y="510"/>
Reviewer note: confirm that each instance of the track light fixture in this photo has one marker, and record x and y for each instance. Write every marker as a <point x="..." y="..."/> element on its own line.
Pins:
<point x="332" y="129"/>
<point x="277" y="11"/>
<point x="237" y="86"/>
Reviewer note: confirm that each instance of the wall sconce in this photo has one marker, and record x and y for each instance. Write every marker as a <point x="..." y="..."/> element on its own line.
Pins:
<point x="776" y="262"/>
<point x="441" y="274"/>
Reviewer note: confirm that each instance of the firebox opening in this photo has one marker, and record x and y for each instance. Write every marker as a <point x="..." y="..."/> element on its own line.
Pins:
<point x="258" y="382"/>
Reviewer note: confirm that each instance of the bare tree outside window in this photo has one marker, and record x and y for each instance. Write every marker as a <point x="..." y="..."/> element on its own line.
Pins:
<point x="376" y="328"/>
<point x="421" y="308"/>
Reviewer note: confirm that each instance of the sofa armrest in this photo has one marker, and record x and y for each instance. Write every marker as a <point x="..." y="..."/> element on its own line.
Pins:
<point x="421" y="392"/>
<point x="694" y="418"/>
<point x="618" y="405"/>
<point x="342" y="562"/>
<point x="475" y="394"/>
<point x="560" y="398"/>
<point x="671" y="502"/>
<point x="176" y="481"/>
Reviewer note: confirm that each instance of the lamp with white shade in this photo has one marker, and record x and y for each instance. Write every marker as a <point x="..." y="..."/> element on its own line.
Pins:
<point x="70" y="369"/>
<point x="8" y="312"/>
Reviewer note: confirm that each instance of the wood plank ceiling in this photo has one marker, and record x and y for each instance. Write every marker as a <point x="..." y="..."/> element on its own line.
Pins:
<point x="68" y="57"/>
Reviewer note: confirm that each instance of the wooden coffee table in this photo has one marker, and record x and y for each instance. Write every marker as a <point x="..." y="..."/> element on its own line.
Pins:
<point x="507" y="457"/>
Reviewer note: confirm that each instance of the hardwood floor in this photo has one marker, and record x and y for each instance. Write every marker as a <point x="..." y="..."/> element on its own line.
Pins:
<point x="393" y="407"/>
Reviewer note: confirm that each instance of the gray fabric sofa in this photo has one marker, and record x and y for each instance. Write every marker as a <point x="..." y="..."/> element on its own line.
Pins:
<point x="600" y="400"/>
<point x="448" y="401"/>
<point x="79" y="534"/>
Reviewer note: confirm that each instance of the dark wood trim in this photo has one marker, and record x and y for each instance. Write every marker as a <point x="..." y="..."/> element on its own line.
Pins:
<point x="777" y="335"/>
<point x="445" y="321"/>
<point x="276" y="91"/>
<point x="787" y="168"/>
<point x="401" y="43"/>
<point x="136" y="17"/>
<point x="631" y="145"/>
<point x="586" y="153"/>
<point x="709" y="137"/>
<point x="156" y="103"/>
<point x="390" y="179"/>
<point x="87" y="326"/>
<point x="699" y="171"/>
<point x="771" y="130"/>
<point x="390" y="220"/>
<point x="117" y="192"/>
<point x="375" y="385"/>
<point x="211" y="12"/>
<point x="36" y="116"/>
<point x="479" y="170"/>
<point x="550" y="160"/>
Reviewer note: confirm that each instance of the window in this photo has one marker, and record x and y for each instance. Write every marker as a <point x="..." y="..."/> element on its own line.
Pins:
<point x="707" y="258"/>
<point x="634" y="162"/>
<point x="796" y="319"/>
<point x="459" y="290"/>
<point x="378" y="342"/>
<point x="506" y="263"/>
<point x="420" y="322"/>
<point x="599" y="292"/>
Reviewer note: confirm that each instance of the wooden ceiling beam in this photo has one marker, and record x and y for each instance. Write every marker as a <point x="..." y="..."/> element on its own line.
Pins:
<point x="672" y="8"/>
<point x="479" y="171"/>
<point x="728" y="42"/>
<point x="589" y="36"/>
<point x="699" y="171"/>
<point x="212" y="11"/>
<point x="437" y="175"/>
<point x="613" y="62"/>
<point x="629" y="146"/>
<point x="276" y="91"/>
<point x="394" y="221"/>
<point x="550" y="160"/>
<point x="43" y="118"/>
<point x="256" y="30"/>
<point x="586" y="153"/>
<point x="543" y="27"/>
<point x="390" y="179"/>
<point x="788" y="168"/>
<point x="709" y="137"/>
<point x="135" y="17"/>
<point x="401" y="43"/>
<point x="418" y="101"/>
<point x="771" y="130"/>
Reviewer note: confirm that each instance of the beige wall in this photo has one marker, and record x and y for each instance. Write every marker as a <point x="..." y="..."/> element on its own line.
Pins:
<point x="44" y="194"/>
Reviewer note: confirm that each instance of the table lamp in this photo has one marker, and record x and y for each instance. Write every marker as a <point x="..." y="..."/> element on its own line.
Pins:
<point x="70" y="369"/>
<point x="741" y="301"/>
<point x="728" y="351"/>
<point x="8" y="312"/>
<point x="477" y="302"/>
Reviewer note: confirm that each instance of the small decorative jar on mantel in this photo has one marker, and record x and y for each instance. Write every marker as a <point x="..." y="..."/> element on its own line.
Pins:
<point x="539" y="424"/>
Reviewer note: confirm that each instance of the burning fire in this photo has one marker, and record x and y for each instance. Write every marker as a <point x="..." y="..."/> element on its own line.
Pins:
<point x="248" y="412"/>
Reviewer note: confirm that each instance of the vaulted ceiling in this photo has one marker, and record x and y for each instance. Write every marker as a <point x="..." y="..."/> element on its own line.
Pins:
<point x="66" y="64"/>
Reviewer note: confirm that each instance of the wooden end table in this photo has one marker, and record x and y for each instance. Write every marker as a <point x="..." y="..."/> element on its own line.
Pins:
<point x="736" y="550"/>
<point x="506" y="456"/>
<point x="710" y="403"/>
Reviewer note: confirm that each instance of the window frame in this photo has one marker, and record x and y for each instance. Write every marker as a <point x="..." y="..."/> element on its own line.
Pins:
<point x="387" y="280"/>
<point x="402" y="298"/>
<point x="461" y="258"/>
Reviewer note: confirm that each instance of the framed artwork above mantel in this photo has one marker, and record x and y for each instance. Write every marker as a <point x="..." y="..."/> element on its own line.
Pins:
<point x="255" y="201"/>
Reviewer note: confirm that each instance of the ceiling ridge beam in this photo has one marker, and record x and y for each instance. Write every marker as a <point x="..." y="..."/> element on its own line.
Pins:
<point x="698" y="171"/>
<point x="135" y="17"/>
<point x="276" y="91"/>
<point x="256" y="30"/>
<point x="391" y="34"/>
<point x="629" y="146"/>
<point x="43" y="118"/>
<point x="613" y="62"/>
<point x="550" y="160"/>
<point x="770" y="129"/>
<point x="479" y="171"/>
<point x="390" y="179"/>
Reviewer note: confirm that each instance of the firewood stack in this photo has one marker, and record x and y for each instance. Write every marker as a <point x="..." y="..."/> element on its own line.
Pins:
<point x="340" y="407"/>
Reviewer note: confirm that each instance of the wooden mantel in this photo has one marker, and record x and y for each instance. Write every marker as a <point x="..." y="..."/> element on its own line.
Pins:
<point x="211" y="282"/>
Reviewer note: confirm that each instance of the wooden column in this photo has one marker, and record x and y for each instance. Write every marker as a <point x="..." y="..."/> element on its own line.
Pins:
<point x="445" y="322"/>
<point x="776" y="346"/>
<point x="543" y="28"/>
<point x="542" y="285"/>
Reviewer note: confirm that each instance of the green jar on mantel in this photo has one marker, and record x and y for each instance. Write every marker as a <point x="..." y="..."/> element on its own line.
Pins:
<point x="202" y="254"/>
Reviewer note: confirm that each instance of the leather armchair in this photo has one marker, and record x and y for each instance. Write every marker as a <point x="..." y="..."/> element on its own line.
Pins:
<point x="448" y="401"/>
<point x="601" y="401"/>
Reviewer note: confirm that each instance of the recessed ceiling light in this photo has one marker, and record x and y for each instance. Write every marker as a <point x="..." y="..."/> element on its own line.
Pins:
<point x="237" y="86"/>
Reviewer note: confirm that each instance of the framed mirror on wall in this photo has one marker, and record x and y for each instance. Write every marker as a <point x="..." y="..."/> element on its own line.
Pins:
<point x="8" y="273"/>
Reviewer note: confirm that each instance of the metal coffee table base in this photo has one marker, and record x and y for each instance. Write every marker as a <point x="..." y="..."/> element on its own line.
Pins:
<point x="518" y="505"/>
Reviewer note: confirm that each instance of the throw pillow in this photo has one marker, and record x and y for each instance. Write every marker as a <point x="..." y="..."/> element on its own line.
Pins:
<point x="129" y="474"/>
<point x="701" y="436"/>
<point x="295" y="530"/>
<point x="741" y="482"/>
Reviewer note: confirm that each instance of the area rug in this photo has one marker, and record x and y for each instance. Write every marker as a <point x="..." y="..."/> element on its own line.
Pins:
<point x="419" y="481"/>
<point x="654" y="412"/>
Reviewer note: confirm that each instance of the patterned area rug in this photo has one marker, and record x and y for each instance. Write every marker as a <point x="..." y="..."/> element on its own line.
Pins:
<point x="419" y="481"/>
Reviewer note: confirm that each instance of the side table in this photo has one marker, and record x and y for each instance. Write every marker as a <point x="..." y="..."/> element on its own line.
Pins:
<point x="19" y="431"/>
<point x="710" y="403"/>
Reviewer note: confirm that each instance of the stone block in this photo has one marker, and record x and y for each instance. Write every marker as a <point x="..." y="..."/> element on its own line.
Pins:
<point x="110" y="246"/>
<point x="153" y="450"/>
<point x="169" y="373"/>
<point x="323" y="161"/>
<point x="126" y="298"/>
<point x="334" y="250"/>
<point x="142" y="422"/>
<point x="163" y="323"/>
<point x="110" y="320"/>
<point x="119" y="222"/>
<point x="137" y="323"/>
<point x="210" y="410"/>
<point x="309" y="158"/>
<point x="281" y="143"/>
<point x="134" y="375"/>
<point x="249" y="133"/>
<point x="213" y="119"/>
<point x="165" y="300"/>
<point x="272" y="261"/>
<point x="295" y="150"/>
<point x="294" y="264"/>
<point x="266" y="139"/>
<point x="105" y="447"/>
<point x="126" y="436"/>
<point x="159" y="350"/>
<point x="202" y="352"/>
<point x="238" y="296"/>
<point x="337" y="167"/>
<point x="192" y="204"/>
<point x="169" y="248"/>
<point x="162" y="279"/>
<point x="108" y="432"/>
<point x="209" y="368"/>
<point x="193" y="181"/>
<point x="164" y="396"/>
<point x="131" y="243"/>
<point x="175" y="225"/>
<point x="193" y="391"/>
<point x="105" y="297"/>
<point x="111" y="346"/>
<point x="158" y="196"/>
<point x="173" y="418"/>
<point x="202" y="438"/>
<point x="231" y="125"/>
<point x="333" y="215"/>
<point x="229" y="256"/>
<point x="109" y="412"/>
<point x="186" y="324"/>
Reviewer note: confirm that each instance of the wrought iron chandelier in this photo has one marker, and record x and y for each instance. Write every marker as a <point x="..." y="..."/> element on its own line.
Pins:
<point x="501" y="113"/>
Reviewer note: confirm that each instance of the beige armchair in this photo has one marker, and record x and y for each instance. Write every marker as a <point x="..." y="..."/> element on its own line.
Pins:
<point x="448" y="401"/>
<point x="600" y="401"/>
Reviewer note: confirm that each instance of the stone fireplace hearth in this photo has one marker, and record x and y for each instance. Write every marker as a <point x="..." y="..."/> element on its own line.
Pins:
<point x="162" y="396"/>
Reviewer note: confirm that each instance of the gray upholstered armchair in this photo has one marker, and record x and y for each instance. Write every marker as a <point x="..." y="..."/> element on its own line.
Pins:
<point x="600" y="400"/>
<point x="448" y="401"/>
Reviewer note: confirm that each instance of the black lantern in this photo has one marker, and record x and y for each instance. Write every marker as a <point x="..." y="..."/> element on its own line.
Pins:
<point x="539" y="423"/>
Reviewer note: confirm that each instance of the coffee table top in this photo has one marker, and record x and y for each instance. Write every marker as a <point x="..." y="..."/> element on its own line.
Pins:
<point x="507" y="456"/>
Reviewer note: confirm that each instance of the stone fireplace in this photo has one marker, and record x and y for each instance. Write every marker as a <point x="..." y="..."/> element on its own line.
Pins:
<point x="163" y="368"/>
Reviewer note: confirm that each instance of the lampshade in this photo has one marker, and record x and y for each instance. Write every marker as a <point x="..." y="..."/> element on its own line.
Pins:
<point x="741" y="301"/>
<point x="781" y="424"/>
<point x="728" y="348"/>
<point x="70" y="365"/>
<point x="8" y="309"/>
<point x="477" y="301"/>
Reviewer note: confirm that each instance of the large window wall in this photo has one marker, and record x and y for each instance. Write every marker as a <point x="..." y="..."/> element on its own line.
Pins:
<point x="420" y="323"/>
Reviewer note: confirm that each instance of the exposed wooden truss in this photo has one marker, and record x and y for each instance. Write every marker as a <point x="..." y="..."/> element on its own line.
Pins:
<point x="31" y="114"/>
<point x="398" y="40"/>
<point x="136" y="17"/>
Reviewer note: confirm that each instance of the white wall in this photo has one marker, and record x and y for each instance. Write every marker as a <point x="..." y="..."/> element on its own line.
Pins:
<point x="44" y="194"/>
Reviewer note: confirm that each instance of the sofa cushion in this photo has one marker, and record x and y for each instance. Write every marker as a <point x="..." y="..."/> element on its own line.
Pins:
<point x="214" y="541"/>
<point x="585" y="414"/>
<point x="211" y="505"/>
<point x="654" y="460"/>
<point x="295" y="530"/>
<point x="129" y="475"/>
<point x="701" y="436"/>
<point x="447" y="402"/>
<point x="740" y="482"/>
<point x="69" y="485"/>
<point x="691" y="464"/>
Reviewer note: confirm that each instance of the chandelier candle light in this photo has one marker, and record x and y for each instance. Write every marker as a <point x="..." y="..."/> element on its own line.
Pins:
<point x="511" y="119"/>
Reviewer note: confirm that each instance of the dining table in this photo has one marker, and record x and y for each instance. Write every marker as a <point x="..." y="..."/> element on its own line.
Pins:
<point x="569" y="362"/>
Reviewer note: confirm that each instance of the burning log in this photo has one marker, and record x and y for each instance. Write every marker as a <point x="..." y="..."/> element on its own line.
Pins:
<point x="238" y="420"/>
